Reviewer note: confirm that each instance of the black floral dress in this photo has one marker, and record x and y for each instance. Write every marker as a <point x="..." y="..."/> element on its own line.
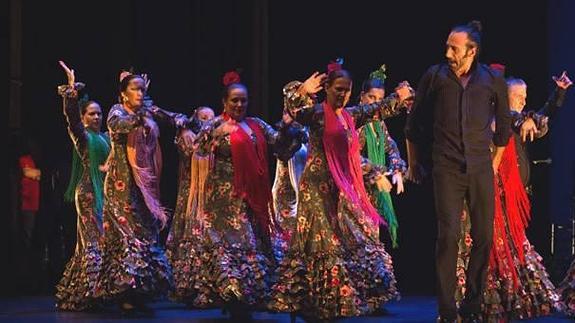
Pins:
<point x="76" y="290"/>
<point x="335" y="265"/>
<point x="134" y="264"/>
<point x="232" y="254"/>
<point x="186" y="224"/>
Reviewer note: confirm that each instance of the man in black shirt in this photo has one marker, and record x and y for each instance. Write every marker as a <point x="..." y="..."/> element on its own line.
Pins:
<point x="454" y="107"/>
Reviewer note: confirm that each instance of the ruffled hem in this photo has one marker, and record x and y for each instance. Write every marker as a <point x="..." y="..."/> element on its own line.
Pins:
<point x="330" y="285"/>
<point x="134" y="268"/>
<point x="534" y="297"/>
<point x="228" y="274"/>
<point x="76" y="291"/>
<point x="566" y="292"/>
<point x="280" y="245"/>
<point x="183" y="258"/>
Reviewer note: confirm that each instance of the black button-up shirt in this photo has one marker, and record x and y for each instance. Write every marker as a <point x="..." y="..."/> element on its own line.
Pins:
<point x="455" y="120"/>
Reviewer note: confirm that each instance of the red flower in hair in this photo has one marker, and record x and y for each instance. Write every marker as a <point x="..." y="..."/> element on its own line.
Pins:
<point x="498" y="67"/>
<point x="231" y="77"/>
<point x="335" y="65"/>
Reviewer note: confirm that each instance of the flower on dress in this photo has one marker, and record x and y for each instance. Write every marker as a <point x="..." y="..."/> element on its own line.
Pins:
<point x="334" y="270"/>
<point x="120" y="185"/>
<point x="334" y="240"/>
<point x="345" y="291"/>
<point x="334" y="282"/>
<point x="122" y="220"/>
<point x="285" y="213"/>
<point x="323" y="187"/>
<point x="468" y="240"/>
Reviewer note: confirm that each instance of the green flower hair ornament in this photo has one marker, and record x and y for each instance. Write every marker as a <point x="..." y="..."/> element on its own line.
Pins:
<point x="378" y="74"/>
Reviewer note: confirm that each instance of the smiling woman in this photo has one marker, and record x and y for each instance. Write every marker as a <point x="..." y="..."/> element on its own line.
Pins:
<point x="233" y="251"/>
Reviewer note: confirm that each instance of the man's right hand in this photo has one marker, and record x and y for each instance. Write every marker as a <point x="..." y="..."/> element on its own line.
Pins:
<point x="415" y="173"/>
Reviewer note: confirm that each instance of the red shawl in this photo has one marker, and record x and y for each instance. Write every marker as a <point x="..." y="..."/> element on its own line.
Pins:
<point x="511" y="201"/>
<point x="251" y="175"/>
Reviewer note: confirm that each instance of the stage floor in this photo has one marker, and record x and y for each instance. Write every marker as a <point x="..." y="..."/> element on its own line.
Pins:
<point x="41" y="309"/>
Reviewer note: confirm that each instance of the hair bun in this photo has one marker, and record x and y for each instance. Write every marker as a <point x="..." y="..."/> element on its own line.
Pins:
<point x="231" y="77"/>
<point x="475" y="25"/>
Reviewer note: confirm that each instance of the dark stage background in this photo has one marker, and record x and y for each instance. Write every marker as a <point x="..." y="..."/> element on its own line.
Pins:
<point x="186" y="46"/>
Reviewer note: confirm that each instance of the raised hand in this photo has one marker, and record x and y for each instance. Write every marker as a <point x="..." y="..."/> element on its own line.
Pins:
<point x="404" y="91"/>
<point x="69" y="74"/>
<point x="562" y="81"/>
<point x="313" y="84"/>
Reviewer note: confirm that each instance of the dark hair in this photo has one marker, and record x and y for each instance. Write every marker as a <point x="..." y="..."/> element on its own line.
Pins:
<point x="84" y="106"/>
<point x="372" y="84"/>
<point x="334" y="75"/>
<point x="124" y="84"/>
<point x="126" y="80"/>
<point x="473" y="31"/>
<point x="226" y="90"/>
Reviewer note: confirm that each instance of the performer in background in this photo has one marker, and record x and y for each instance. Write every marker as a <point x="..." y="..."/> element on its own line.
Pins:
<point x="190" y="203"/>
<point x="378" y="146"/>
<point x="518" y="285"/>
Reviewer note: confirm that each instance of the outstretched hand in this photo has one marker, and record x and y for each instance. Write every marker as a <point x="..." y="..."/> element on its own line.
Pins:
<point x="69" y="74"/>
<point x="562" y="81"/>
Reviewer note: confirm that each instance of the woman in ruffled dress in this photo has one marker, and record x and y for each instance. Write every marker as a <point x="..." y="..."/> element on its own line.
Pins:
<point x="134" y="266"/>
<point x="335" y="265"/>
<point x="233" y="247"/>
<point x="285" y="187"/>
<point x="192" y="175"/>
<point x="378" y="146"/>
<point x="518" y="285"/>
<point x="77" y="287"/>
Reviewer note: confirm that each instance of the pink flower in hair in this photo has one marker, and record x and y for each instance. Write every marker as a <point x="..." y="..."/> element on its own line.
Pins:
<point x="231" y="77"/>
<point x="335" y="65"/>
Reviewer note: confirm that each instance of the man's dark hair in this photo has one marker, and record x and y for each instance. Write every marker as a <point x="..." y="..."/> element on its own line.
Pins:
<point x="473" y="31"/>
